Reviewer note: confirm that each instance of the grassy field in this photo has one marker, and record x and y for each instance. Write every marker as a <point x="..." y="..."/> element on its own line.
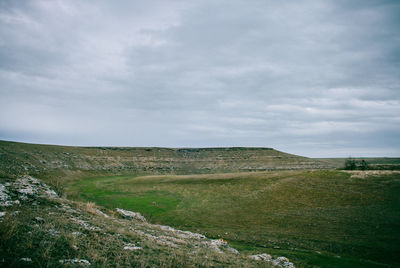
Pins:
<point x="317" y="218"/>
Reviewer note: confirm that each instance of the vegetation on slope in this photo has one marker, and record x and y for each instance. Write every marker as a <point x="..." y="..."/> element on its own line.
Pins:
<point x="39" y="229"/>
<point x="49" y="161"/>
<point x="318" y="218"/>
<point x="352" y="215"/>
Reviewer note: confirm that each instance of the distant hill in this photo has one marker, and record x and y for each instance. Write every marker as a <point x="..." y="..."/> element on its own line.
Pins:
<point x="44" y="160"/>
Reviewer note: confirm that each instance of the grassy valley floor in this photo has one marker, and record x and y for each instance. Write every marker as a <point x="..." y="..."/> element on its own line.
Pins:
<point x="316" y="218"/>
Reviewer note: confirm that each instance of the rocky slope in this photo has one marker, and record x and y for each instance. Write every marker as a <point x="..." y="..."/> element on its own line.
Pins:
<point x="40" y="229"/>
<point x="61" y="161"/>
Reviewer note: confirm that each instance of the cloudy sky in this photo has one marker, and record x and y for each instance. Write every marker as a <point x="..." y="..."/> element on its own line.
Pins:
<point x="315" y="78"/>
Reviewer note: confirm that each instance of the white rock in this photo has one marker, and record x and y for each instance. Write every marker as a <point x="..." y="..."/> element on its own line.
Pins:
<point x="283" y="262"/>
<point x="54" y="232"/>
<point x="219" y="244"/>
<point x="279" y="261"/>
<point x="261" y="257"/>
<point x="29" y="186"/>
<point x="26" y="185"/>
<point x="86" y="225"/>
<point x="76" y="233"/>
<point x="26" y="259"/>
<point x="166" y="243"/>
<point x="180" y="233"/>
<point x="131" y="215"/>
<point x="2" y="214"/>
<point x="50" y="193"/>
<point x="132" y="247"/>
<point x="232" y="250"/>
<point x="80" y="262"/>
<point x="4" y="197"/>
<point x="101" y="213"/>
<point x="39" y="219"/>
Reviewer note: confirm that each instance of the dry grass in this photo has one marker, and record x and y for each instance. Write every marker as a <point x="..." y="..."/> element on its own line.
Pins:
<point x="327" y="211"/>
<point x="70" y="230"/>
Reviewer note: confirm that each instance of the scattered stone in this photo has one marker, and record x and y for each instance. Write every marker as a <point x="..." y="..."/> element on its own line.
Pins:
<point x="283" y="262"/>
<point x="166" y="243"/>
<point x="39" y="219"/>
<point x="131" y="215"/>
<point x="219" y="244"/>
<point x="173" y="239"/>
<point x="2" y="214"/>
<point x="67" y="208"/>
<point x="54" y="232"/>
<point x="232" y="250"/>
<point x="80" y="262"/>
<point x="30" y="187"/>
<point x="50" y="193"/>
<point x="76" y="233"/>
<point x="5" y="199"/>
<point x="215" y="244"/>
<point x="279" y="261"/>
<point x="27" y="186"/>
<point x="101" y="213"/>
<point x="132" y="247"/>
<point x="261" y="257"/>
<point x="148" y="236"/>
<point x="86" y="225"/>
<point x="180" y="233"/>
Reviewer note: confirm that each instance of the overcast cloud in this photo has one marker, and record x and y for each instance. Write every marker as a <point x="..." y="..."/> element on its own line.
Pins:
<point x="315" y="78"/>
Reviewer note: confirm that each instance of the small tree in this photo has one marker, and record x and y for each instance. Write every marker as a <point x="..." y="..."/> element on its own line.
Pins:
<point x="363" y="165"/>
<point x="350" y="164"/>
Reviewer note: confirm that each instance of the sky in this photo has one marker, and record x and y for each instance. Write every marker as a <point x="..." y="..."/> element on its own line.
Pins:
<point x="314" y="78"/>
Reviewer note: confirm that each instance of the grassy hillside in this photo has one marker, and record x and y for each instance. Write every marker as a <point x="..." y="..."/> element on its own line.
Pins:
<point x="311" y="216"/>
<point x="40" y="229"/>
<point x="259" y="199"/>
<point x="66" y="161"/>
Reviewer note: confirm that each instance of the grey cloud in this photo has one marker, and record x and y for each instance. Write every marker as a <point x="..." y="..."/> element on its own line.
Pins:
<point x="317" y="78"/>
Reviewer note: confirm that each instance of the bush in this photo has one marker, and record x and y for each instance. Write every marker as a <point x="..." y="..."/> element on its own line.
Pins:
<point x="352" y="164"/>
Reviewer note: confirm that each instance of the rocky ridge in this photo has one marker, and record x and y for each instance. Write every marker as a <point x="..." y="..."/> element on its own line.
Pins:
<point x="63" y="161"/>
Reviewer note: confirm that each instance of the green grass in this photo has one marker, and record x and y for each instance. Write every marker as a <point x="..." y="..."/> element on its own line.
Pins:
<point x="352" y="221"/>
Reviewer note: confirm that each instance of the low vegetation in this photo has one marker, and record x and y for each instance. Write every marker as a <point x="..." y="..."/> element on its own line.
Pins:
<point x="62" y="163"/>
<point x="311" y="216"/>
<point x="43" y="230"/>
<point x="258" y="201"/>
